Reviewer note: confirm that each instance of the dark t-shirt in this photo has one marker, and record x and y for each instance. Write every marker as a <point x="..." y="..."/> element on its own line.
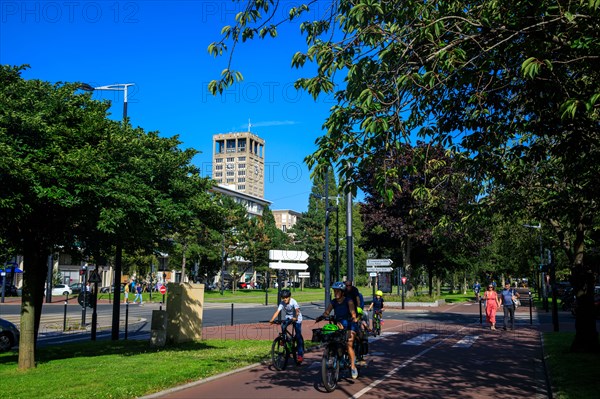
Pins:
<point x="341" y="310"/>
<point x="356" y="297"/>
<point x="377" y="304"/>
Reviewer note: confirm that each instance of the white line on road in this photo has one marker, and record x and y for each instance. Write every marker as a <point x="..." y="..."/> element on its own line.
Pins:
<point x="419" y="339"/>
<point x="406" y="363"/>
<point x="466" y="342"/>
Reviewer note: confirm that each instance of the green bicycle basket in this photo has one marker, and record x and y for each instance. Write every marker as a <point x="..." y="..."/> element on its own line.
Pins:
<point x="329" y="328"/>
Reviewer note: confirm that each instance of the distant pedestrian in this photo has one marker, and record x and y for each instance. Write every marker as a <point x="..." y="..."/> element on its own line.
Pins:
<point x="508" y="297"/>
<point x="138" y="294"/>
<point x="492" y="302"/>
<point x="126" y="292"/>
<point x="477" y="290"/>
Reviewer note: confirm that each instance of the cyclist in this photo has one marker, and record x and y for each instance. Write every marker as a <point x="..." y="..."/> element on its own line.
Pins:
<point x="292" y="312"/>
<point x="377" y="305"/>
<point x="346" y="318"/>
<point x="353" y="293"/>
<point x="477" y="290"/>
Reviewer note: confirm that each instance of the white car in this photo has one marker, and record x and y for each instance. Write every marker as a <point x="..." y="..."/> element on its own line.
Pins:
<point x="61" y="289"/>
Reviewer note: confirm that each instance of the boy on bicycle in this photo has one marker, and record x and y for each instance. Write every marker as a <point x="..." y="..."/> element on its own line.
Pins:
<point x="377" y="305"/>
<point x="292" y="312"/>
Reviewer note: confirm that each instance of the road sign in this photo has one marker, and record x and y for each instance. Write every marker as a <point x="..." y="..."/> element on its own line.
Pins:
<point x="288" y="256"/>
<point x="288" y="266"/>
<point x="379" y="262"/>
<point x="162" y="289"/>
<point x="379" y="269"/>
<point x="304" y="274"/>
<point x="94" y="277"/>
<point x="372" y="274"/>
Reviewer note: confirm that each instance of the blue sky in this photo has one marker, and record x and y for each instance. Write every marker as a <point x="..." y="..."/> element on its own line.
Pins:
<point x="160" y="46"/>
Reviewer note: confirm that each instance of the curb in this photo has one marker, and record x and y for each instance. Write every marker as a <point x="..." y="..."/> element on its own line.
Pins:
<point x="178" y="388"/>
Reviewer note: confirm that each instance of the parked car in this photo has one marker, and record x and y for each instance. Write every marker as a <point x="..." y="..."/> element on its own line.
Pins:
<point x="9" y="335"/>
<point x="61" y="289"/>
<point x="76" y="288"/>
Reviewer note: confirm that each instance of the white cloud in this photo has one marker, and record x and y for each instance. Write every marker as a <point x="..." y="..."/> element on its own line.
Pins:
<point x="269" y="123"/>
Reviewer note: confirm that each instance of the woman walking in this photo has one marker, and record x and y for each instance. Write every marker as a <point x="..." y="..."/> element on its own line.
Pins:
<point x="492" y="303"/>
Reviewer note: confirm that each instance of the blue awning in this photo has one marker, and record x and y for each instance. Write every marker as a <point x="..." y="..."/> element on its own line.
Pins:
<point x="12" y="270"/>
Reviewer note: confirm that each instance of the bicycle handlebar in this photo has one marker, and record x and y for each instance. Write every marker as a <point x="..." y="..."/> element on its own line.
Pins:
<point x="285" y="321"/>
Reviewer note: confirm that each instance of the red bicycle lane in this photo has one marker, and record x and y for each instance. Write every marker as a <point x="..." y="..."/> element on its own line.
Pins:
<point x="420" y="360"/>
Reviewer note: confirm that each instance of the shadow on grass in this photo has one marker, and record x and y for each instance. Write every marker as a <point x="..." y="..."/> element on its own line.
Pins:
<point x="104" y="348"/>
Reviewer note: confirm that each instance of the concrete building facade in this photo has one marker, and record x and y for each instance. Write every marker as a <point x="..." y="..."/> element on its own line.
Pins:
<point x="239" y="162"/>
<point x="285" y="218"/>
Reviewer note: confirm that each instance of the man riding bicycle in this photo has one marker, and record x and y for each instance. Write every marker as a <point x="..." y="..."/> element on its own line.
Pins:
<point x="346" y="318"/>
<point x="292" y="312"/>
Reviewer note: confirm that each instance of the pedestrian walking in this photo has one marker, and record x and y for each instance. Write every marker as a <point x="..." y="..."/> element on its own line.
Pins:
<point x="508" y="297"/>
<point x="126" y="292"/>
<point x="477" y="290"/>
<point x="492" y="302"/>
<point x="138" y="293"/>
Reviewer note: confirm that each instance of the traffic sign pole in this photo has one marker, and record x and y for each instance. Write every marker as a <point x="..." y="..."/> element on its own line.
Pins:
<point x="94" y="313"/>
<point x="84" y="269"/>
<point x="163" y="291"/>
<point x="403" y="290"/>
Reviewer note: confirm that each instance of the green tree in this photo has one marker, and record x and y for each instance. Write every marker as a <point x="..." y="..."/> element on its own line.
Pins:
<point x="515" y="84"/>
<point x="49" y="137"/>
<point x="79" y="181"/>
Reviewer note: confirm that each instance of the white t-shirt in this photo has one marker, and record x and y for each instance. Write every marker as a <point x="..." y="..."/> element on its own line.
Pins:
<point x="290" y="309"/>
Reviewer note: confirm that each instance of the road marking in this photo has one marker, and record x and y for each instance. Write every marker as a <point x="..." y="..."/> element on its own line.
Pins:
<point x="406" y="363"/>
<point x="419" y="340"/>
<point x="383" y="335"/>
<point x="466" y="342"/>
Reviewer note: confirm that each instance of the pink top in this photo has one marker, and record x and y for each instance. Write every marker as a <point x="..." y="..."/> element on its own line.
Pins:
<point x="491" y="296"/>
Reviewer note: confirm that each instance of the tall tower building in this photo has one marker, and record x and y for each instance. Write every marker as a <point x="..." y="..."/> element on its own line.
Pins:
<point x="239" y="162"/>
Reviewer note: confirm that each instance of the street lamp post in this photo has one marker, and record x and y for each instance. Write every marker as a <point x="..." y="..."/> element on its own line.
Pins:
<point x="349" y="239"/>
<point x="543" y="282"/>
<point x="116" y="87"/>
<point x="328" y="209"/>
<point x="327" y="276"/>
<point x="119" y="246"/>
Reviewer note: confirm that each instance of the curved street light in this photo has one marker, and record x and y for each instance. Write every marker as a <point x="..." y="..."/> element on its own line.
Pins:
<point x="116" y="87"/>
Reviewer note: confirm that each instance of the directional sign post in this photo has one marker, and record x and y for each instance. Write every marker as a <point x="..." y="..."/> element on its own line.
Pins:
<point x="288" y="256"/>
<point x="286" y="260"/>
<point x="379" y="262"/>
<point x="373" y="269"/>
<point x="377" y="266"/>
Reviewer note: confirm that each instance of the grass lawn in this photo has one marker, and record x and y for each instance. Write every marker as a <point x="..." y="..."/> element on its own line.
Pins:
<point x="123" y="369"/>
<point x="301" y="295"/>
<point x="238" y="296"/>
<point x="573" y="375"/>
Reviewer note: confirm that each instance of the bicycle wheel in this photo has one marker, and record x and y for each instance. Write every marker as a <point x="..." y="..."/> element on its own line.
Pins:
<point x="377" y="325"/>
<point x="330" y="369"/>
<point x="278" y="354"/>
